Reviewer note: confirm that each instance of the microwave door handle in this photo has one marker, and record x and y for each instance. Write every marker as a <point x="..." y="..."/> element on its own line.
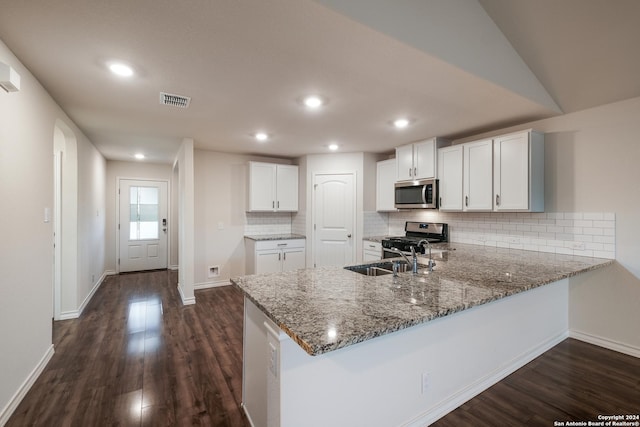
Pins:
<point x="424" y="194"/>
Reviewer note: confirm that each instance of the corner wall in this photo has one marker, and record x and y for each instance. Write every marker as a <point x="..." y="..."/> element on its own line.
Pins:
<point x="26" y="255"/>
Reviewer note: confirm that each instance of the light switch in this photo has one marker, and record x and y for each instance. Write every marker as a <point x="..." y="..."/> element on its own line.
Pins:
<point x="47" y="214"/>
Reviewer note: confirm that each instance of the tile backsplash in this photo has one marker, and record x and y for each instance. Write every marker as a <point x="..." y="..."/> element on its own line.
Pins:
<point x="573" y="233"/>
<point x="260" y="223"/>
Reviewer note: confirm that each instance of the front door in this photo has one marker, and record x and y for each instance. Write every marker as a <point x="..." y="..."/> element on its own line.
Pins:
<point x="334" y="219"/>
<point x="142" y="225"/>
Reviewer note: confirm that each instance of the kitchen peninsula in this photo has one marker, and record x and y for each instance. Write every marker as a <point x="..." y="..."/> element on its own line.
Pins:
<point x="329" y="346"/>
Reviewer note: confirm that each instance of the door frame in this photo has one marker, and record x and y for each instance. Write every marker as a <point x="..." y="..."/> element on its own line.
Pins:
<point x="57" y="233"/>
<point x="314" y="237"/>
<point x="117" y="216"/>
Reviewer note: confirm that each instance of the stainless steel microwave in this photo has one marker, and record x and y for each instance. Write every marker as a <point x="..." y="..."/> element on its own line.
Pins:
<point x="421" y="194"/>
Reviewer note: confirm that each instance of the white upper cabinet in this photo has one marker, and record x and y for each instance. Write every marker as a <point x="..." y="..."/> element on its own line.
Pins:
<point x="478" y="176"/>
<point x="385" y="185"/>
<point x="417" y="160"/>
<point x="518" y="172"/>
<point x="272" y="187"/>
<point x="450" y="176"/>
<point x="287" y="188"/>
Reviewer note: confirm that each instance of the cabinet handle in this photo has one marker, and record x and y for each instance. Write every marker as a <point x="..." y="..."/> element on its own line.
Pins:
<point x="410" y="172"/>
<point x="279" y="257"/>
<point x="440" y="202"/>
<point x="466" y="200"/>
<point x="282" y="244"/>
<point x="415" y="171"/>
<point x="497" y="200"/>
<point x="273" y="204"/>
<point x="278" y="204"/>
<point x="372" y="246"/>
<point x="284" y="256"/>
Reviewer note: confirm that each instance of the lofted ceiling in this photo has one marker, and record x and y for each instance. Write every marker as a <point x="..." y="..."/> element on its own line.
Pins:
<point x="454" y="67"/>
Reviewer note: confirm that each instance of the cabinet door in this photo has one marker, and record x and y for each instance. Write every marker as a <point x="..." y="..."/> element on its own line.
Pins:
<point x="268" y="261"/>
<point x="424" y="159"/>
<point x="511" y="172"/>
<point x="404" y="163"/>
<point x="287" y="188"/>
<point x="450" y="175"/>
<point x="293" y="259"/>
<point x="262" y="186"/>
<point x="385" y="180"/>
<point x="478" y="176"/>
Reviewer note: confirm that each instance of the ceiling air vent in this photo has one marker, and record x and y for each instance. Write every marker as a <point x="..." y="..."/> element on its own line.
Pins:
<point x="174" y="100"/>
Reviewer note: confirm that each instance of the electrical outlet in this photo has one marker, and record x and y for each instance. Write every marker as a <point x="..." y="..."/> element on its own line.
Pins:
<point x="425" y="382"/>
<point x="579" y="246"/>
<point x="273" y="359"/>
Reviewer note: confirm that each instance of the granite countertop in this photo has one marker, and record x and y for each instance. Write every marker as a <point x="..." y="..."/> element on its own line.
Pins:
<point x="289" y="236"/>
<point x="376" y="238"/>
<point x="327" y="308"/>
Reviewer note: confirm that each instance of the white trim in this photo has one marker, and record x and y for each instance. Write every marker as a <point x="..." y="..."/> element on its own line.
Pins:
<point x="74" y="314"/>
<point x="244" y="409"/>
<point x="186" y="301"/>
<point x="57" y="232"/>
<point x="444" y="407"/>
<point x="606" y="343"/>
<point x="17" y="397"/>
<point x="174" y="267"/>
<point x="214" y="284"/>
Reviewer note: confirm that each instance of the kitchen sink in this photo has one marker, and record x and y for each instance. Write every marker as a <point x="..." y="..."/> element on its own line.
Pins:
<point x="377" y="269"/>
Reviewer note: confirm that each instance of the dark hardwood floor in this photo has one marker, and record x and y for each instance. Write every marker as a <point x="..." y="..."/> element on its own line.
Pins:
<point x="137" y="357"/>
<point x="574" y="381"/>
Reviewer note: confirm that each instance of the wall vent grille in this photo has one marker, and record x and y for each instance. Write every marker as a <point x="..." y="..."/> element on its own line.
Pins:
<point x="174" y="100"/>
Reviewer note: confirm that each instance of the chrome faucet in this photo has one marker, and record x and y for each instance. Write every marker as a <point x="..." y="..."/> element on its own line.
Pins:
<point x="430" y="263"/>
<point x="399" y="252"/>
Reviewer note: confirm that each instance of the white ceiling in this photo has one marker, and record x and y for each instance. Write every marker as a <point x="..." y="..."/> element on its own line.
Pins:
<point x="247" y="63"/>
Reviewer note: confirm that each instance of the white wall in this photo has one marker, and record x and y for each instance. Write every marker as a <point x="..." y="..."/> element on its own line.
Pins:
<point x="28" y="120"/>
<point x="133" y="170"/>
<point x="220" y="217"/>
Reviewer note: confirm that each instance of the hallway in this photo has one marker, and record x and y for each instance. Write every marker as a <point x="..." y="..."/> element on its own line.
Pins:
<point x="138" y="357"/>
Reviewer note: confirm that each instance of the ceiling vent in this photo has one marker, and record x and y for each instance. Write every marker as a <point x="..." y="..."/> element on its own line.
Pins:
<point x="174" y="100"/>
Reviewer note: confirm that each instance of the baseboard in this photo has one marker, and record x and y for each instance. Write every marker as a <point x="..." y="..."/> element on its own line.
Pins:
<point x="472" y="390"/>
<point x="606" y="343"/>
<point x="244" y="408"/>
<point x="207" y="285"/>
<point x="74" y="314"/>
<point x="15" y="400"/>
<point x="186" y="301"/>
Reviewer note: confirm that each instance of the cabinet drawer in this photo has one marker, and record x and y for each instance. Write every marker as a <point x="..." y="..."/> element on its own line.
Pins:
<point x="371" y="246"/>
<point x="279" y="244"/>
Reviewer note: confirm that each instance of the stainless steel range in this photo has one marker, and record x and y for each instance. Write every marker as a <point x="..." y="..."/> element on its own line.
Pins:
<point x="433" y="232"/>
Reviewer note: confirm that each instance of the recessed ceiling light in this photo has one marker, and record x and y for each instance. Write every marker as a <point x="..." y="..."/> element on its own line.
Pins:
<point x="120" y="69"/>
<point x="139" y="156"/>
<point x="333" y="147"/>
<point x="313" y="101"/>
<point x="401" y="123"/>
<point x="261" y="136"/>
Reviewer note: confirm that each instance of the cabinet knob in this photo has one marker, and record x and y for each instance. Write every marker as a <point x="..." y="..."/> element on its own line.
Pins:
<point x="466" y="200"/>
<point x="497" y="200"/>
<point x="349" y="236"/>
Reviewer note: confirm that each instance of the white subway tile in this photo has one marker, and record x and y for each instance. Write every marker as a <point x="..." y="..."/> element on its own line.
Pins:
<point x="585" y="252"/>
<point x="573" y="215"/>
<point x="604" y="224"/>
<point x="593" y="215"/>
<point x="565" y="222"/>
<point x="554" y="229"/>
<point x="609" y="216"/>
<point x="604" y="254"/>
<point x="555" y="215"/>
<point x="594" y="231"/>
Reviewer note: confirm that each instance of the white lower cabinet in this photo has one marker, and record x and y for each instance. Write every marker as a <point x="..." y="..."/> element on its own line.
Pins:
<point x="371" y="250"/>
<point x="275" y="256"/>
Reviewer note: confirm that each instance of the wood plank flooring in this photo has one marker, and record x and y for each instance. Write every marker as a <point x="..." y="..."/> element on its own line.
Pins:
<point x="574" y="381"/>
<point x="137" y="357"/>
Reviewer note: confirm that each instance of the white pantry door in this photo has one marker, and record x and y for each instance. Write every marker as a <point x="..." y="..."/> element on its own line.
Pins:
<point x="334" y="219"/>
<point x="142" y="225"/>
